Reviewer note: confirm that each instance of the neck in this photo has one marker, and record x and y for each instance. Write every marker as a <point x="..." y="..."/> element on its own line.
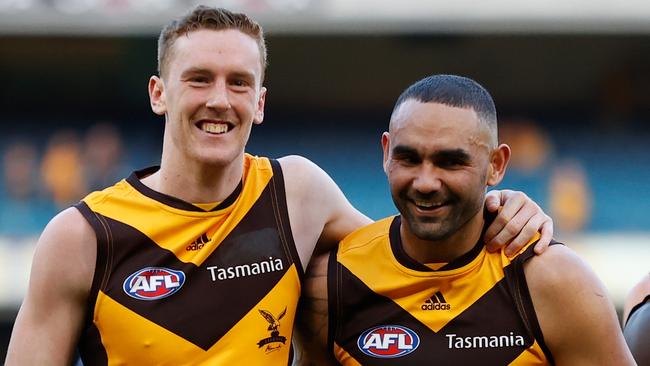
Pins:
<point x="445" y="250"/>
<point x="196" y="182"/>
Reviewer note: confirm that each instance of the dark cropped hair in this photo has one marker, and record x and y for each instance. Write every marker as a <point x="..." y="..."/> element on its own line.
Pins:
<point x="204" y="17"/>
<point x="453" y="91"/>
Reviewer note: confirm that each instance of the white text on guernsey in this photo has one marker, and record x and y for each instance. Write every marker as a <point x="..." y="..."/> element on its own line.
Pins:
<point x="244" y="270"/>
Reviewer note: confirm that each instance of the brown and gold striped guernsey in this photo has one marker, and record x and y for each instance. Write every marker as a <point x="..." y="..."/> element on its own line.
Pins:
<point x="177" y="285"/>
<point x="387" y="309"/>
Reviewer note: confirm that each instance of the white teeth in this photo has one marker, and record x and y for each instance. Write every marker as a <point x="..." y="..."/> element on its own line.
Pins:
<point x="426" y="204"/>
<point x="217" y="128"/>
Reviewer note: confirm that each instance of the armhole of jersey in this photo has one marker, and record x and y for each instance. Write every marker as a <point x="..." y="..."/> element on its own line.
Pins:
<point x="332" y="299"/>
<point x="102" y="234"/>
<point x="282" y="215"/>
<point x="96" y="354"/>
<point x="519" y="288"/>
<point x="637" y="307"/>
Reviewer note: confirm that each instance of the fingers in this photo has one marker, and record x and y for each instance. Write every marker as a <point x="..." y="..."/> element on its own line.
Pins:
<point x="527" y="234"/>
<point x="547" y="235"/>
<point x="495" y="236"/>
<point x="517" y="223"/>
<point x="493" y="200"/>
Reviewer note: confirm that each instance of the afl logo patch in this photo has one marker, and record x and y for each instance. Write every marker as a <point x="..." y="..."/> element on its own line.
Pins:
<point x="153" y="283"/>
<point x="388" y="341"/>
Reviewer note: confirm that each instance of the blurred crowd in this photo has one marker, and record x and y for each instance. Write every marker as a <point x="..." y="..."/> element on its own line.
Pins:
<point x="37" y="182"/>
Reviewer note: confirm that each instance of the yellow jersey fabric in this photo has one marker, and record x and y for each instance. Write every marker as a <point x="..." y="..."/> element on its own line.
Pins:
<point x="175" y="284"/>
<point x="387" y="309"/>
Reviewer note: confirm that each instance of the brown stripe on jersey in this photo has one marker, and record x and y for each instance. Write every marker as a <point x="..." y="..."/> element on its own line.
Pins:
<point x="213" y="307"/>
<point x="332" y="298"/>
<point x="516" y="281"/>
<point x="134" y="181"/>
<point x="366" y="309"/>
<point x="90" y="346"/>
<point x="91" y="349"/>
<point x="279" y="200"/>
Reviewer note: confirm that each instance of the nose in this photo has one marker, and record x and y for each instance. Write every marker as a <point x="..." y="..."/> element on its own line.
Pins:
<point x="218" y="98"/>
<point x="427" y="180"/>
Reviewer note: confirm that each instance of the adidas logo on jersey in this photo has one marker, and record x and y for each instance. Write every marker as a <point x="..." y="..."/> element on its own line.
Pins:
<point x="436" y="302"/>
<point x="199" y="243"/>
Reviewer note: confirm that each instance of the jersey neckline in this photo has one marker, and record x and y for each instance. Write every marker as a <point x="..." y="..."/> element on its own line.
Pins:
<point x="405" y="260"/>
<point x="135" y="182"/>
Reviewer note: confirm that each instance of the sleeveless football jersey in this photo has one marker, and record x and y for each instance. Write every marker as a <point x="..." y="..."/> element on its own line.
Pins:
<point x="177" y="285"/>
<point x="387" y="309"/>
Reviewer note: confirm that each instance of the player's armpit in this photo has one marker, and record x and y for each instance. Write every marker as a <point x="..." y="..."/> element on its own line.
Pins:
<point x="51" y="316"/>
<point x="577" y="319"/>
<point x="310" y="339"/>
<point x="516" y="223"/>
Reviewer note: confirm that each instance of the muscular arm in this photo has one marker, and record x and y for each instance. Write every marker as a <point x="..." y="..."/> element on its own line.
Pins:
<point x="577" y="319"/>
<point x="319" y="213"/>
<point x="51" y="316"/>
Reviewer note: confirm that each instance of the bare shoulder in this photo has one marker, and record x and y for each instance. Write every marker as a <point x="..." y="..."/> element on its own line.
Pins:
<point x="565" y="290"/>
<point x="67" y="245"/>
<point x="557" y="269"/>
<point x="319" y="212"/>
<point x="301" y="173"/>
<point x="559" y="282"/>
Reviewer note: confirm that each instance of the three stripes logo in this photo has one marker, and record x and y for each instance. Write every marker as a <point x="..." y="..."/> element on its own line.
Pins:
<point x="436" y="302"/>
<point x="199" y="243"/>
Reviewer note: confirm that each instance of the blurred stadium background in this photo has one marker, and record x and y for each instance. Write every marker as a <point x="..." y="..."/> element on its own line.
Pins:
<point x="570" y="79"/>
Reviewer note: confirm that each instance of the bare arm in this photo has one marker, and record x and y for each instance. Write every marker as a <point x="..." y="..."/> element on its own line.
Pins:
<point x="318" y="211"/>
<point x="51" y="316"/>
<point x="577" y="319"/>
<point x="312" y="319"/>
<point x="517" y="222"/>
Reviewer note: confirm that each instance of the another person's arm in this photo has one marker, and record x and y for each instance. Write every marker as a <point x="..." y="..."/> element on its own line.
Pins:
<point x="51" y="316"/>
<point x="577" y="319"/>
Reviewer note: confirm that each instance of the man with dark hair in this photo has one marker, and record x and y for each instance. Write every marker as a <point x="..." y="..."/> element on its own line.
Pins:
<point x="198" y="261"/>
<point x="420" y="288"/>
<point x="637" y="321"/>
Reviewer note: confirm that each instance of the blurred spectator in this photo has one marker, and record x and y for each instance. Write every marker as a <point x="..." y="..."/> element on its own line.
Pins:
<point x="62" y="169"/>
<point x="530" y="145"/>
<point x="570" y="197"/>
<point x="532" y="149"/>
<point x="103" y="156"/>
<point x="24" y="211"/>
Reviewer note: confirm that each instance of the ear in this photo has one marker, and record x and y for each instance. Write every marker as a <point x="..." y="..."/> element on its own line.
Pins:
<point x="385" y="144"/>
<point x="499" y="159"/>
<point x="157" y="95"/>
<point x="259" y="114"/>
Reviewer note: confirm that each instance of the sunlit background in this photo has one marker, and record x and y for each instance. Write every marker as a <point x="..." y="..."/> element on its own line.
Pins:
<point x="570" y="79"/>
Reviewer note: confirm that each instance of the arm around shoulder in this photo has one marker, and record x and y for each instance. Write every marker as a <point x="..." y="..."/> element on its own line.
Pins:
<point x="577" y="319"/>
<point x="319" y="212"/>
<point x="52" y="313"/>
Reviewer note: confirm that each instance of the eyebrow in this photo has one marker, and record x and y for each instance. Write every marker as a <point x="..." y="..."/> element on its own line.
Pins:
<point x="204" y="71"/>
<point x="195" y="71"/>
<point x="447" y="154"/>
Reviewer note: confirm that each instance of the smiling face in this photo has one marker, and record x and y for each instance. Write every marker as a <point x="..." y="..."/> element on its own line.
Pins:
<point x="439" y="161"/>
<point x="210" y="95"/>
